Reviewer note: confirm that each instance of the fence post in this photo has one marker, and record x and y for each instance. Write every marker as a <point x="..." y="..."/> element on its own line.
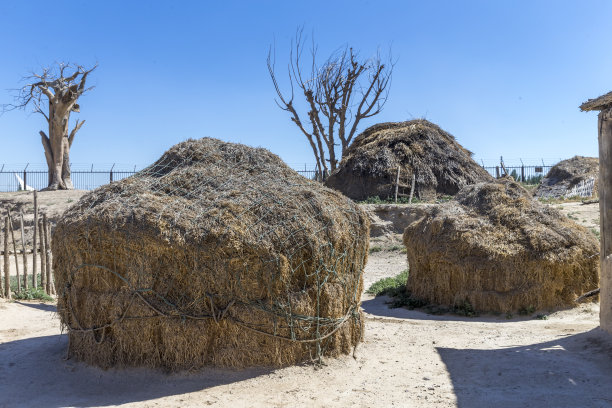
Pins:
<point x="496" y="171"/>
<point x="43" y="265"/>
<point x="47" y="232"/>
<point x="25" y="255"/>
<point x="397" y="183"/>
<point x="14" y="250"/>
<point x="34" y="244"/>
<point x="412" y="188"/>
<point x="7" y="277"/>
<point x="111" y="173"/>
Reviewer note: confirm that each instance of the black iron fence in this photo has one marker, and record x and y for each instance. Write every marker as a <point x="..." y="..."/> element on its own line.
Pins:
<point x="15" y="180"/>
<point x="526" y="174"/>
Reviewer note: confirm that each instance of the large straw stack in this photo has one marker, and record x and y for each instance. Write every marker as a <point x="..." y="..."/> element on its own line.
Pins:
<point x="501" y="251"/>
<point x="439" y="164"/>
<point x="218" y="254"/>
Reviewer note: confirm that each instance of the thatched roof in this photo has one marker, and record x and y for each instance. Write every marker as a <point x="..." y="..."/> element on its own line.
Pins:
<point x="440" y="164"/>
<point x="564" y="177"/>
<point x="500" y="250"/>
<point x="601" y="103"/>
<point x="217" y="254"/>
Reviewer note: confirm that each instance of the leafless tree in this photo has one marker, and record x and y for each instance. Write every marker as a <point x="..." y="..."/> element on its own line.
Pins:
<point x="54" y="94"/>
<point x="339" y="94"/>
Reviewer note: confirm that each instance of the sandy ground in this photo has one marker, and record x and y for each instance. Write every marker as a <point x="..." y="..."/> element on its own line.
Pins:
<point x="407" y="359"/>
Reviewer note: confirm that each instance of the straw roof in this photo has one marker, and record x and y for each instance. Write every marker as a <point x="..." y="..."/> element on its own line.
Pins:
<point x="441" y="166"/>
<point x="601" y="103"/>
<point x="563" y="178"/>
<point x="499" y="250"/>
<point x="217" y="254"/>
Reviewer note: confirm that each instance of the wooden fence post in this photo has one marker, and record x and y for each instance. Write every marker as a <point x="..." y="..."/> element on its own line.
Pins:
<point x="412" y="188"/>
<point x="7" y="277"/>
<point x="34" y="243"/>
<point x="1" y="279"/>
<point x="15" y="251"/>
<point x="25" y="254"/>
<point x="43" y="264"/>
<point x="496" y="171"/>
<point x="397" y="183"/>
<point x="45" y="231"/>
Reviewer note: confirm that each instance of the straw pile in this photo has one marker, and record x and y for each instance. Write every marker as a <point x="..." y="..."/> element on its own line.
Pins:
<point x="218" y="254"/>
<point x="440" y="164"/>
<point x="577" y="176"/>
<point x="498" y="249"/>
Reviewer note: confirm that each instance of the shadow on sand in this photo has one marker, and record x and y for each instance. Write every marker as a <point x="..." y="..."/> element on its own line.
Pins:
<point x="33" y="373"/>
<point x="571" y="371"/>
<point x="45" y="307"/>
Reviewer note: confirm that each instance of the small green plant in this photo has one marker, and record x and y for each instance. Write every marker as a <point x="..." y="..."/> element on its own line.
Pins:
<point x="33" y="294"/>
<point x="526" y="310"/>
<point x="400" y="200"/>
<point x="596" y="232"/>
<point x="542" y="316"/>
<point x="375" y="249"/>
<point x="465" y="308"/>
<point x="396" y="248"/>
<point x="509" y="316"/>
<point x="387" y="285"/>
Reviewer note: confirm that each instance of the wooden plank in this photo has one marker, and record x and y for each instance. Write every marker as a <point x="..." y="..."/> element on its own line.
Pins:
<point x="605" y="208"/>
<point x="43" y="262"/>
<point x="34" y="243"/>
<point x="15" y="251"/>
<point x="397" y="182"/>
<point x="7" y="277"/>
<point x="23" y="250"/>
<point x="45" y="232"/>
<point x="412" y="188"/>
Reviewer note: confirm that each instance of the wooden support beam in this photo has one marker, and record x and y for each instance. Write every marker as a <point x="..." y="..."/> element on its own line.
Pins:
<point x="605" y="208"/>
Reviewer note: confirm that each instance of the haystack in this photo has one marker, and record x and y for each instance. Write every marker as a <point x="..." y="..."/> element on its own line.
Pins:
<point x="218" y="254"/>
<point x="498" y="249"/>
<point x="577" y="176"/>
<point x="440" y="164"/>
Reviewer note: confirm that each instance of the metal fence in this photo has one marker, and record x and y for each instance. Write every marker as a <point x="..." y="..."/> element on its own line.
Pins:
<point x="82" y="179"/>
<point x="526" y="174"/>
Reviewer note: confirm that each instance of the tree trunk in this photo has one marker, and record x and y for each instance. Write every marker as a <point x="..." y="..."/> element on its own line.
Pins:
<point x="57" y="147"/>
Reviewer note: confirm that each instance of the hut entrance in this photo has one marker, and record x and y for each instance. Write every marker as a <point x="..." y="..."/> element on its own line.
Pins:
<point x="603" y="104"/>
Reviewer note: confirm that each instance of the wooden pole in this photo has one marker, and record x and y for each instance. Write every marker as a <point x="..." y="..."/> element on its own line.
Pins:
<point x="523" y="173"/>
<point x="25" y="255"/>
<point x="605" y="209"/>
<point x="34" y="243"/>
<point x="1" y="280"/>
<point x="412" y="188"/>
<point x="45" y="232"/>
<point x="496" y="171"/>
<point x="7" y="277"/>
<point x="397" y="182"/>
<point x="15" y="251"/>
<point x="43" y="260"/>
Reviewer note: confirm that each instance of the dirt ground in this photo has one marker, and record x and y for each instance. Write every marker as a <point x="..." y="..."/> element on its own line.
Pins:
<point x="408" y="359"/>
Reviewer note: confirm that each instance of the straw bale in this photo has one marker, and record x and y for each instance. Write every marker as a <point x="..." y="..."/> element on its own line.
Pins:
<point x="500" y="250"/>
<point x="440" y="164"/>
<point x="564" y="176"/>
<point x="217" y="254"/>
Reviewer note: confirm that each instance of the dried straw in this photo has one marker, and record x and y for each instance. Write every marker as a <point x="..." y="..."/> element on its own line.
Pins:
<point x="218" y="254"/>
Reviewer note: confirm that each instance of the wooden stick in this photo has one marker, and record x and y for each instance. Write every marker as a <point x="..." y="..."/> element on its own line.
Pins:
<point x="7" y="278"/>
<point x="45" y="232"/>
<point x="25" y="255"/>
<point x="1" y="280"/>
<point x="43" y="262"/>
<point x="34" y="243"/>
<point x="15" y="251"/>
<point x="412" y="188"/>
<point x="397" y="182"/>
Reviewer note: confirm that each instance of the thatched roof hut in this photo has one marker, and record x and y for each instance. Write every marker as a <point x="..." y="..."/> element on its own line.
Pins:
<point x="577" y="176"/>
<point x="440" y="164"/>
<point x="217" y="254"/>
<point x="500" y="250"/>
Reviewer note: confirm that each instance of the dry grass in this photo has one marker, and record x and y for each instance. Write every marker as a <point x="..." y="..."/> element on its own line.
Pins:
<point x="440" y="164"/>
<point x="501" y="251"/>
<point x="218" y="254"/>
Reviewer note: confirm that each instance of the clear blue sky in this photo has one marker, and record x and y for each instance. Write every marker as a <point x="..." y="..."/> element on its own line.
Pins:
<point x="505" y="77"/>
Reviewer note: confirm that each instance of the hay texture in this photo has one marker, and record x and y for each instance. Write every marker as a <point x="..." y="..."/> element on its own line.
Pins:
<point x="573" y="177"/>
<point x="218" y="254"/>
<point x="498" y="249"/>
<point x="440" y="164"/>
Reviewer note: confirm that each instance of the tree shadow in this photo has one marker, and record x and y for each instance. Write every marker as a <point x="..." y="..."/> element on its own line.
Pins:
<point x="45" y="307"/>
<point x="572" y="371"/>
<point x="33" y="373"/>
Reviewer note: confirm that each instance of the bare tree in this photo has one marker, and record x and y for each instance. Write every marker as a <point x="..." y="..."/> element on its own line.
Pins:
<point x="339" y="94"/>
<point x="59" y="91"/>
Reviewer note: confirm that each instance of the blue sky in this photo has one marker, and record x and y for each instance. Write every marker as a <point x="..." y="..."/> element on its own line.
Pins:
<point x="505" y="77"/>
